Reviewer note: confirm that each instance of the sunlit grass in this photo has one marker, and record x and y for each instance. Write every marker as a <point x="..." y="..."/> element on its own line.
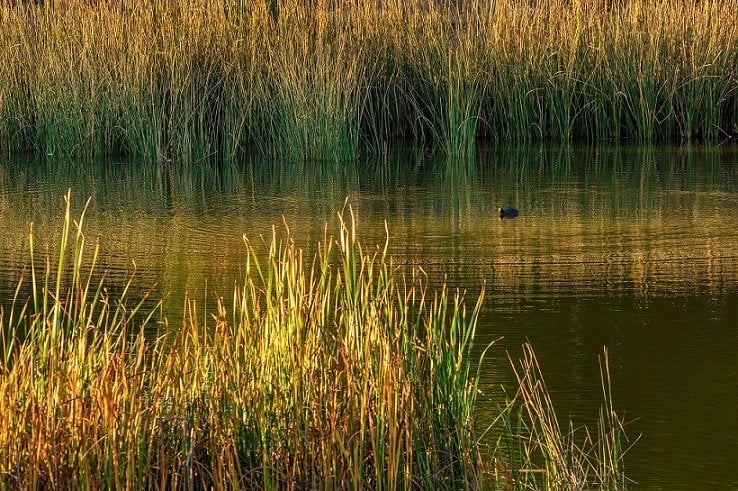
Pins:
<point x="312" y="375"/>
<point x="337" y="371"/>
<point x="194" y="80"/>
<point x="543" y="455"/>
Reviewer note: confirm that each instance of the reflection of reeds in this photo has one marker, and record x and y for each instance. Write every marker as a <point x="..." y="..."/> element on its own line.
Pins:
<point x="192" y="79"/>
<point x="623" y="220"/>
<point x="338" y="372"/>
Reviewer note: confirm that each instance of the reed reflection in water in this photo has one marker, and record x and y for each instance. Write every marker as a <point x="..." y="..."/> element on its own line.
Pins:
<point x="633" y="248"/>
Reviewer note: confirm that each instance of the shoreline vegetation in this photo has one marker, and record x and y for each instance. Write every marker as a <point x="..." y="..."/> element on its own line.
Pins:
<point x="340" y="371"/>
<point x="321" y="80"/>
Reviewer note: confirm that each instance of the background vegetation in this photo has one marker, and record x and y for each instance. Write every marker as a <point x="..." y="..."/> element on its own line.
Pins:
<point x="326" y="80"/>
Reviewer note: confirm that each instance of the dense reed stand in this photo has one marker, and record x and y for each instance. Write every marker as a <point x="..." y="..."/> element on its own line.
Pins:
<point x="326" y="80"/>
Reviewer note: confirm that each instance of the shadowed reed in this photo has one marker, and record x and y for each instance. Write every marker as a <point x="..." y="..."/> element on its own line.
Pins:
<point x="324" y="80"/>
<point x="335" y="372"/>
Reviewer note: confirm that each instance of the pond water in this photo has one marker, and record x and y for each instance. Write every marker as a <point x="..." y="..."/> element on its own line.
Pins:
<point x="633" y="248"/>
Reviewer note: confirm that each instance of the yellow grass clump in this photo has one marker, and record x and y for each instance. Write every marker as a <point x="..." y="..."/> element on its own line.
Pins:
<point x="338" y="372"/>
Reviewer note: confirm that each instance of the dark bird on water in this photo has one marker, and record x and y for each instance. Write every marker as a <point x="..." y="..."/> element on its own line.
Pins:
<point x="508" y="213"/>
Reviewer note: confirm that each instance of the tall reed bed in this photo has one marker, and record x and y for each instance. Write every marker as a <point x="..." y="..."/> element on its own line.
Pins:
<point x="324" y="80"/>
<point x="332" y="372"/>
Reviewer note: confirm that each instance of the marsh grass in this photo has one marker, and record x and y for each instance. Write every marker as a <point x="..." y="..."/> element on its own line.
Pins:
<point x="534" y="451"/>
<point x="323" y="81"/>
<point x="315" y="374"/>
<point x="338" y="371"/>
<point x="319" y="85"/>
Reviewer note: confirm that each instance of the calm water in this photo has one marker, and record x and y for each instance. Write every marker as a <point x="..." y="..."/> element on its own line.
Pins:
<point x="635" y="249"/>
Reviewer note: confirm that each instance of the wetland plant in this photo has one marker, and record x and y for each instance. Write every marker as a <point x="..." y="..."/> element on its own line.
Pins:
<point x="194" y="80"/>
<point x="337" y="371"/>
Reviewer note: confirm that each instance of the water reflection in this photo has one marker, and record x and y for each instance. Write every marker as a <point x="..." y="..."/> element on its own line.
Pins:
<point x="629" y="247"/>
<point x="642" y="221"/>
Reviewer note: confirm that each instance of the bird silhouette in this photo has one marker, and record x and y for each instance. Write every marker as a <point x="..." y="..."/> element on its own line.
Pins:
<point x="508" y="213"/>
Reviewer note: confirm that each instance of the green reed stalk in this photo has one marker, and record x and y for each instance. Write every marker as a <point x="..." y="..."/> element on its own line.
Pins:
<point x="318" y="84"/>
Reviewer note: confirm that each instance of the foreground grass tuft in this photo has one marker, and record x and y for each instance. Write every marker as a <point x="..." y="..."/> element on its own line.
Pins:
<point x="333" y="372"/>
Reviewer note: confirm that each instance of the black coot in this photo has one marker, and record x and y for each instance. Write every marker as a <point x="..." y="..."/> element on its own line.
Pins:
<point x="508" y="212"/>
